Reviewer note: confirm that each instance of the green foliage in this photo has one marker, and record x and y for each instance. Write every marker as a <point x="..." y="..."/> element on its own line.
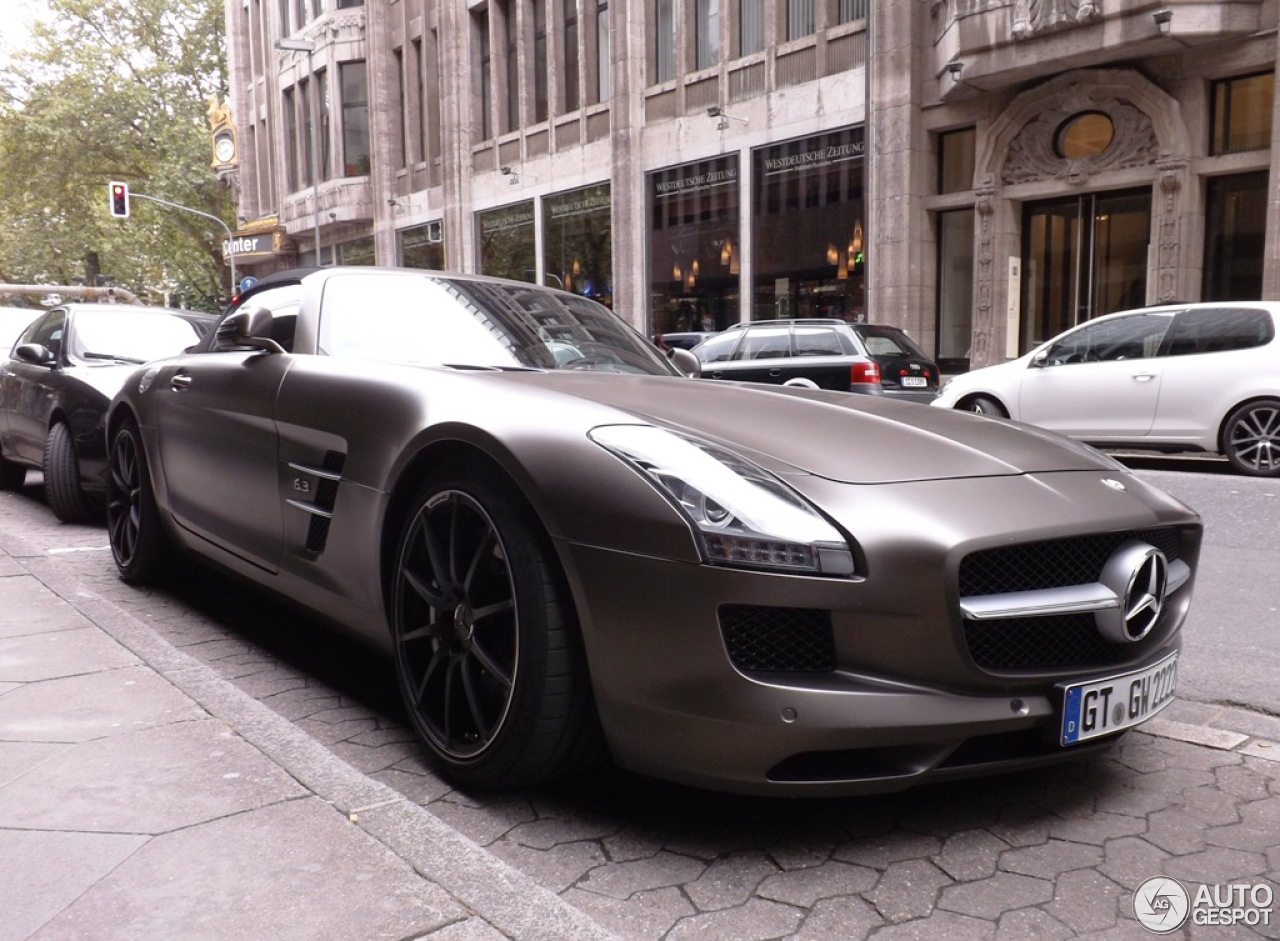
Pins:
<point x="115" y="90"/>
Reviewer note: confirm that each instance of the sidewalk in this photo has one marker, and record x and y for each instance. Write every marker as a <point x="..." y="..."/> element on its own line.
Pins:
<point x="144" y="797"/>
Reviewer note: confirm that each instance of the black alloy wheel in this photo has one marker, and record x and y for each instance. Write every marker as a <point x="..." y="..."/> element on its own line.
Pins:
<point x="1251" y="438"/>
<point x="62" y="490"/>
<point x="486" y="645"/>
<point x="138" y="543"/>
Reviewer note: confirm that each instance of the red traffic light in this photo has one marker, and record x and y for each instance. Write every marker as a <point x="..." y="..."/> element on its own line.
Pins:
<point x="119" y="193"/>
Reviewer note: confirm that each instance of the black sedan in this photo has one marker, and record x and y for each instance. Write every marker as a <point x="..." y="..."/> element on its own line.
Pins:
<point x="568" y="547"/>
<point x="56" y="386"/>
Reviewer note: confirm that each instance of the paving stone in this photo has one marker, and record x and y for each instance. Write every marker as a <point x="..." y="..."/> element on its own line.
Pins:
<point x="1258" y="831"/>
<point x="1027" y="924"/>
<point x="970" y="854"/>
<point x="908" y="890"/>
<point x="805" y="887"/>
<point x="757" y="920"/>
<point x="1192" y="757"/>
<point x="881" y="852"/>
<point x="989" y="898"/>
<point x="645" y="915"/>
<point x="1176" y="830"/>
<point x="622" y="880"/>
<point x="27" y="658"/>
<point x="943" y="925"/>
<point x="1050" y="859"/>
<point x="1086" y="900"/>
<point x="553" y="831"/>
<point x="632" y="843"/>
<point x="483" y="824"/>
<point x="557" y="867"/>
<point x="1134" y="802"/>
<point x="846" y="918"/>
<point x="1217" y="865"/>
<point x="1211" y="806"/>
<point x="1022" y="825"/>
<point x="1130" y="861"/>
<point x="1097" y="828"/>
<point x="730" y="881"/>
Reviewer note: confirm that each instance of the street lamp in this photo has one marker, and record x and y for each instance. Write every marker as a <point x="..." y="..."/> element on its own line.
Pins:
<point x="303" y="45"/>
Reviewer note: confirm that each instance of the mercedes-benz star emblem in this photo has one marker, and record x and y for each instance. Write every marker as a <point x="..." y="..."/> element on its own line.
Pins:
<point x="1138" y="573"/>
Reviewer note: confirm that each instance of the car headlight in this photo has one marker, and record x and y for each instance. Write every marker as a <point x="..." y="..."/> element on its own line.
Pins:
<point x="743" y="515"/>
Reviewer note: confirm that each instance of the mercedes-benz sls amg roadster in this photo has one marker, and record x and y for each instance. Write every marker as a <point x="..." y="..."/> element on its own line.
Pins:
<point x="570" y="547"/>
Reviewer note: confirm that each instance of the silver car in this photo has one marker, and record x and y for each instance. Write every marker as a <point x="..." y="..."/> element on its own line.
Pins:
<point x="570" y="548"/>
<point x="1184" y="377"/>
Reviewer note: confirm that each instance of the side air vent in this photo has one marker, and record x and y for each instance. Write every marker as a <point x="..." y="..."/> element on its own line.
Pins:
<point x="763" y="639"/>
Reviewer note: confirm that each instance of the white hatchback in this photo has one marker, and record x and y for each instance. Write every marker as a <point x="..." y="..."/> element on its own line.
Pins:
<point x="1185" y="377"/>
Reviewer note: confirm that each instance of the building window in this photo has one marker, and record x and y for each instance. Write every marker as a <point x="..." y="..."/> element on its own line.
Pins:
<point x="664" y="41"/>
<point x="402" y="151"/>
<point x="750" y="26"/>
<point x="308" y="132"/>
<point x="808" y="228"/>
<point x="356" y="252"/>
<point x="349" y="4"/>
<point x="707" y="33"/>
<point x="849" y="10"/>
<point x="956" y="160"/>
<point x="800" y="21"/>
<point x="695" y="246"/>
<point x="540" y="108"/>
<point x="1235" y="233"/>
<point x="1241" y="114"/>
<point x="485" y="77"/>
<point x="355" y="119"/>
<point x="1084" y="135"/>
<point x="322" y="87"/>
<point x="577" y="240"/>
<point x="603" y="56"/>
<point x="571" y="56"/>
<point x="512" y="66"/>
<point x="423" y="246"/>
<point x="420" y="123"/>
<point x="955" y="288"/>
<point x="507" y="247"/>
<point x="292" y="176"/>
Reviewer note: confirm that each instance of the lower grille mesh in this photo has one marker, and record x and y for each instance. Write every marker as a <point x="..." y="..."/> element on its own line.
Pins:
<point x="762" y="639"/>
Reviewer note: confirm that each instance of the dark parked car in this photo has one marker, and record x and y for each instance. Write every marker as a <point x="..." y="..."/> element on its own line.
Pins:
<point x="686" y="340"/>
<point x="57" y="383"/>
<point x="567" y="546"/>
<point x="906" y="371"/>
<point x="824" y="354"/>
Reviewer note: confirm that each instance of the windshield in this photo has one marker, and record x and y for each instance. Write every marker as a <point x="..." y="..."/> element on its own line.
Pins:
<point x="121" y="335"/>
<point x="430" y="320"/>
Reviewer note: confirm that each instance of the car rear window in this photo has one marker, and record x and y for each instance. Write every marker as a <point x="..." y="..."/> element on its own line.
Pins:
<point x="818" y="341"/>
<point x="1218" y="329"/>
<point x="765" y="343"/>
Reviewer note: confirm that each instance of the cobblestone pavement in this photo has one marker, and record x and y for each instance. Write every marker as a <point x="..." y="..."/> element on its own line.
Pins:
<point x="1049" y="854"/>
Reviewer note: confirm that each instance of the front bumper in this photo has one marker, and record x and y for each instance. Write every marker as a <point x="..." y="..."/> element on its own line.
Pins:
<point x="902" y="700"/>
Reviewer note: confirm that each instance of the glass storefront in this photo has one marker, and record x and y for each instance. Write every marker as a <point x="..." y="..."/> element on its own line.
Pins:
<point x="356" y="252"/>
<point x="422" y="246"/>
<point x="507" y="242"/>
<point x="694" y="246"/>
<point x="1235" y="233"/>
<point x="577" y="242"/>
<point x="808" y="228"/>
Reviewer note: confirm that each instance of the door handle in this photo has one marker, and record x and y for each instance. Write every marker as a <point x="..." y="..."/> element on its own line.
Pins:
<point x="775" y="373"/>
<point x="1144" y="376"/>
<point x="180" y="381"/>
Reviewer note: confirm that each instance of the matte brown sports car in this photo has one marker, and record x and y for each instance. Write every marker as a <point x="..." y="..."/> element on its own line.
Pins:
<point x="569" y="546"/>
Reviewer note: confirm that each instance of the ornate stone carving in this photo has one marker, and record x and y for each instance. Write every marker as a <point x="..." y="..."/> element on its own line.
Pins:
<point x="1042" y="16"/>
<point x="1033" y="156"/>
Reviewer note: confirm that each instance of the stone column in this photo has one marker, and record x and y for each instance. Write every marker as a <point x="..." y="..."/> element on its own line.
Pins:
<point x="1271" y="254"/>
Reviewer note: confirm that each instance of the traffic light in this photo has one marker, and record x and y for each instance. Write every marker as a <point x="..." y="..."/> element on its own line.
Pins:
<point x="119" y="199"/>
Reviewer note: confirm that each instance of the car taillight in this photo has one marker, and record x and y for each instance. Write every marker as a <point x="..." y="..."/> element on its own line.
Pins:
<point x="865" y="372"/>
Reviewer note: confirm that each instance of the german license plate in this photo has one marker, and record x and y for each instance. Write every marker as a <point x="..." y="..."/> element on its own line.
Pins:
<point x="914" y="382"/>
<point x="1117" y="702"/>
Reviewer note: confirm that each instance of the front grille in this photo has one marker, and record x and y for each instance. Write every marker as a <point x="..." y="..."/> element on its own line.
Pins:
<point x="1054" y="642"/>
<point x="1076" y="560"/>
<point x="762" y="639"/>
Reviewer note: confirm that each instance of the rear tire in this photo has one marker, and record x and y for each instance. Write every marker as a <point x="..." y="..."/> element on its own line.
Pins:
<point x="1251" y="439"/>
<point x="487" y="647"/>
<point x="984" y="405"/>
<point x="62" y="490"/>
<point x="138" y="542"/>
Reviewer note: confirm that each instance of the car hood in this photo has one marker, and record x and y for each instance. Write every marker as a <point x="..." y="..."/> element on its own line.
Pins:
<point x="836" y="435"/>
<point x="106" y="379"/>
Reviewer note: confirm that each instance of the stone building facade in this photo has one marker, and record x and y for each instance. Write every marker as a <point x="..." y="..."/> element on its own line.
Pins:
<point x="984" y="173"/>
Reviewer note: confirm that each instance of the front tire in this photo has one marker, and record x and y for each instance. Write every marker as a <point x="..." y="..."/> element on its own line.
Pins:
<point x="62" y="490"/>
<point x="487" y="648"/>
<point x="984" y="405"/>
<point x="1251" y="438"/>
<point x="138" y="542"/>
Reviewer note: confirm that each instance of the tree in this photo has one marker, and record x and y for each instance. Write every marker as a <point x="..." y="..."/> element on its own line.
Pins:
<point x="115" y="90"/>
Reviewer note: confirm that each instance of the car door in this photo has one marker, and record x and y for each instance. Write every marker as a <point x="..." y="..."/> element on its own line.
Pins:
<point x="27" y="389"/>
<point x="1100" y="382"/>
<point x="218" y="448"/>
<point x="762" y="355"/>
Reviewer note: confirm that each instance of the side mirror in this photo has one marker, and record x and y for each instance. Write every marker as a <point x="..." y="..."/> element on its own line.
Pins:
<point x="1040" y="360"/>
<point x="35" y="354"/>
<point x="247" y="328"/>
<point x="686" y="362"/>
